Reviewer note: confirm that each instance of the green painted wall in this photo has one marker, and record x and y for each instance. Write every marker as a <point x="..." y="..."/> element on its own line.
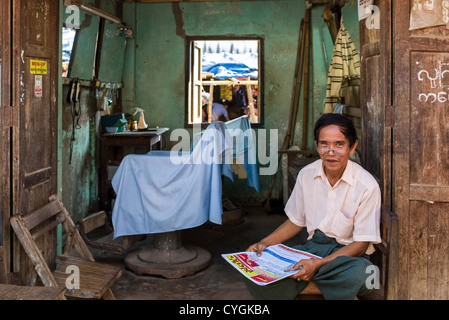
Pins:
<point x="154" y="71"/>
<point x="154" y="75"/>
<point x="78" y="180"/>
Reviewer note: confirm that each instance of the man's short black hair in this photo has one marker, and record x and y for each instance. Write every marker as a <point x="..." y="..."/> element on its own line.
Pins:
<point x="346" y="126"/>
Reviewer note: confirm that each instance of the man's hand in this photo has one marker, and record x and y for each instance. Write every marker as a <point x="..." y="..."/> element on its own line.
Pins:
<point x="307" y="269"/>
<point x="284" y="232"/>
<point x="257" y="247"/>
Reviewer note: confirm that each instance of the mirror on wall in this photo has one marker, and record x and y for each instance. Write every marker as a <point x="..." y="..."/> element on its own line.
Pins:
<point x="94" y="48"/>
<point x="81" y="44"/>
<point x="68" y="39"/>
<point x="111" y="54"/>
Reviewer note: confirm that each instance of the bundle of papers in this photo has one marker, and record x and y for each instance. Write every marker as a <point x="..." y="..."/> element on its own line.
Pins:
<point x="273" y="264"/>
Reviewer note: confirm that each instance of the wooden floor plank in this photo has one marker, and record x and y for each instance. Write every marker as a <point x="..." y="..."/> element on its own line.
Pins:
<point x="13" y="292"/>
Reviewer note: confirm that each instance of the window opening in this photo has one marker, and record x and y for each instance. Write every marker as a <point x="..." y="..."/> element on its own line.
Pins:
<point x="224" y="80"/>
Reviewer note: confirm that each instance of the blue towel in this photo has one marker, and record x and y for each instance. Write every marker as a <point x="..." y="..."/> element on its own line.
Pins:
<point x="244" y="148"/>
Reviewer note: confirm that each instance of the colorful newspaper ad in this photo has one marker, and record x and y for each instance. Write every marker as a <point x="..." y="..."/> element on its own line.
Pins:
<point x="271" y="266"/>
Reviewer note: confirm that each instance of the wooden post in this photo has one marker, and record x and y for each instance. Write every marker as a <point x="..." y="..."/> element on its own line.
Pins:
<point x="3" y="274"/>
<point x="305" y="110"/>
<point x="296" y="90"/>
<point x="209" y="105"/>
<point x="251" y="102"/>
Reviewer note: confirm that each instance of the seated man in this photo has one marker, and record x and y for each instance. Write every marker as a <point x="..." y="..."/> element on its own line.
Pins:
<point x="339" y="204"/>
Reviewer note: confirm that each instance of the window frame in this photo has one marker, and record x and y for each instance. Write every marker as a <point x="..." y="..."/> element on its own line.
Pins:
<point x="189" y="45"/>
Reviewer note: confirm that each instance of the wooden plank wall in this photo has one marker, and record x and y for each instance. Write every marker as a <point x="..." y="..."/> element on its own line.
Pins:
<point x="375" y="95"/>
<point x="428" y="247"/>
<point x="5" y="129"/>
<point x="35" y="137"/>
<point x="421" y="156"/>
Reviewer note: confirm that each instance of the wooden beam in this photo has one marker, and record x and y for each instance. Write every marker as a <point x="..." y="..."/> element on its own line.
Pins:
<point x="320" y="2"/>
<point x="162" y="1"/>
<point x="230" y="82"/>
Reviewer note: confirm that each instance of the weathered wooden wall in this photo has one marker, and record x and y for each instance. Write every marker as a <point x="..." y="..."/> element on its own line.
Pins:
<point x="5" y="128"/>
<point x="421" y="155"/>
<point x="376" y="98"/>
<point x="33" y="141"/>
<point x="78" y="179"/>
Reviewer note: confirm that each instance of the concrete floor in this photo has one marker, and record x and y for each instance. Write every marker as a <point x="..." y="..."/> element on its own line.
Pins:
<point x="219" y="281"/>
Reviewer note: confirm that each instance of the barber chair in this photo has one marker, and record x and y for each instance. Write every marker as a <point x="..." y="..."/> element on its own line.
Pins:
<point x="164" y="192"/>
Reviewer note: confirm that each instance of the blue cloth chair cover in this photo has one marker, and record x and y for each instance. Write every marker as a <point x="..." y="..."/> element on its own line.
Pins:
<point x="164" y="191"/>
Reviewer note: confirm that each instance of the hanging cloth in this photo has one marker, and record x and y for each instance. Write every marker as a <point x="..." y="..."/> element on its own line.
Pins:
<point x="345" y="66"/>
<point x="226" y="93"/>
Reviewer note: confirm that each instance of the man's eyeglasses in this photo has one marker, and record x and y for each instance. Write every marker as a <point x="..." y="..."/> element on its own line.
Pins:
<point x="339" y="149"/>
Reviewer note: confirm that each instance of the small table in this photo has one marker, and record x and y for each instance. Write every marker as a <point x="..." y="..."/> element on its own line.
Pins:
<point x="146" y="138"/>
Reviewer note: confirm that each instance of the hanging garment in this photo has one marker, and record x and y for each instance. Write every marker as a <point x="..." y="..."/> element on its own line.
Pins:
<point x="345" y="66"/>
<point x="240" y="97"/>
<point x="226" y="93"/>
